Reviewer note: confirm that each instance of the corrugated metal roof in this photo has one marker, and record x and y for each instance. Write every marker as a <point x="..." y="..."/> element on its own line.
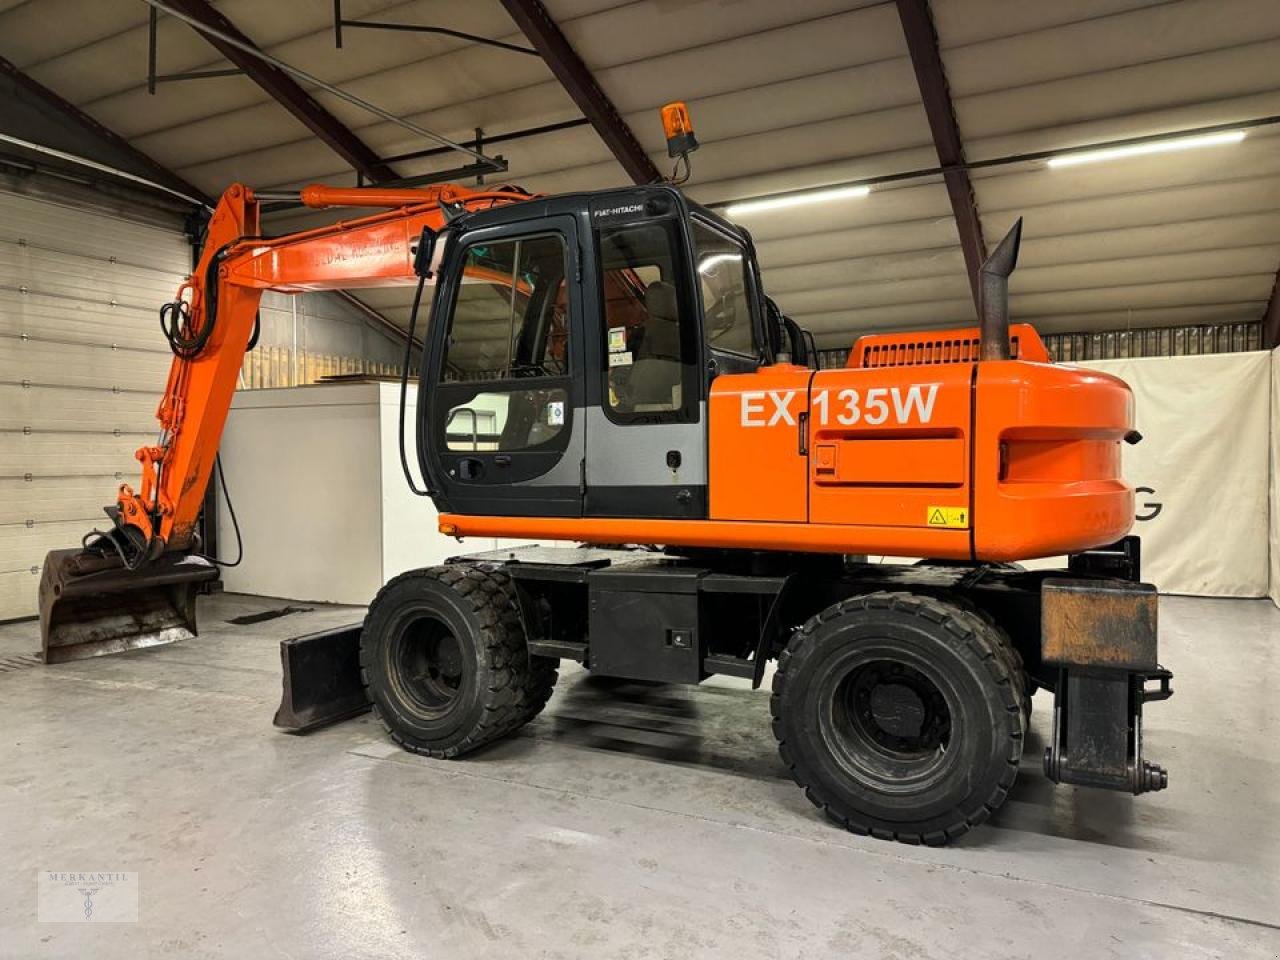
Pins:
<point x="783" y="96"/>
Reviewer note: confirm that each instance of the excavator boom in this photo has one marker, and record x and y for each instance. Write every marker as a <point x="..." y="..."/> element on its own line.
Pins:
<point x="134" y="586"/>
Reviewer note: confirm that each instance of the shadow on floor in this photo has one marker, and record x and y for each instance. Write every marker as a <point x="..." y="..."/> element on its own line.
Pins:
<point x="727" y="729"/>
<point x="717" y="728"/>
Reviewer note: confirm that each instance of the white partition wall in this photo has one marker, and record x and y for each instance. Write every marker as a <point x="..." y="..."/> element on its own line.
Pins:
<point x="1202" y="470"/>
<point x="325" y="513"/>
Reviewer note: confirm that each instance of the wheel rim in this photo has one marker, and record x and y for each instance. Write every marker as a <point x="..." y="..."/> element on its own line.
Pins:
<point x="888" y="723"/>
<point x="427" y="666"/>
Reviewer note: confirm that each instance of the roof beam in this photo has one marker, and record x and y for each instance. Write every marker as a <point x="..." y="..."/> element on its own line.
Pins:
<point x="922" y="44"/>
<point x="145" y="164"/>
<point x="550" y="42"/>
<point x="287" y="92"/>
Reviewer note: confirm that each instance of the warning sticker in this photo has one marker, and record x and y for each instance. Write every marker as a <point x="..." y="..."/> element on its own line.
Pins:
<point x="951" y="517"/>
<point x="617" y="339"/>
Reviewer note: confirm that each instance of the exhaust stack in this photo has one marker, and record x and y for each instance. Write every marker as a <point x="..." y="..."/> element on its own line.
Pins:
<point x="994" y="279"/>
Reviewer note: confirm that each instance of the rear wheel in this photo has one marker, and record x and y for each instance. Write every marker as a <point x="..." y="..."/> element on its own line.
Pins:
<point x="444" y="660"/>
<point x="901" y="716"/>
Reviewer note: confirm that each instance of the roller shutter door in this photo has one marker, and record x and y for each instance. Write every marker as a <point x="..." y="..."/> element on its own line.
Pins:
<point x="82" y="367"/>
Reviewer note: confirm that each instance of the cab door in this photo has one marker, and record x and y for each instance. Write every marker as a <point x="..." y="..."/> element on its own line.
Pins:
<point x="646" y="417"/>
<point x="503" y="428"/>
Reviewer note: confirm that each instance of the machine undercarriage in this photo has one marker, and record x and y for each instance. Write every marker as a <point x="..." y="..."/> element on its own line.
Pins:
<point x="926" y="670"/>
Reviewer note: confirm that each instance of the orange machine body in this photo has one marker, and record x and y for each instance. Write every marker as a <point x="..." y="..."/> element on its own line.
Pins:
<point x="994" y="461"/>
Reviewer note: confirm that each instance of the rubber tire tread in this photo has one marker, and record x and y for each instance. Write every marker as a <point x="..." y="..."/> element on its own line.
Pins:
<point x="968" y="625"/>
<point x="523" y="683"/>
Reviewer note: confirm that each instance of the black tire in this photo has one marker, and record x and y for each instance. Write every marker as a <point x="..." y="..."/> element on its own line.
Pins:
<point x="1012" y="656"/>
<point x="444" y="660"/>
<point x="901" y="716"/>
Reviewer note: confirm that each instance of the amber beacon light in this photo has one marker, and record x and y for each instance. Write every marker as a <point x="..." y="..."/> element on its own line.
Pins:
<point x="679" y="129"/>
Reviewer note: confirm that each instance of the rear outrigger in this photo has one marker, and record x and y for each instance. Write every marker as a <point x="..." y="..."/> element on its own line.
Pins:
<point x="604" y="368"/>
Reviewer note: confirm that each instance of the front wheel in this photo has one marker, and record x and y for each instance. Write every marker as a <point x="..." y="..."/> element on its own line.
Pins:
<point x="900" y="715"/>
<point x="444" y="660"/>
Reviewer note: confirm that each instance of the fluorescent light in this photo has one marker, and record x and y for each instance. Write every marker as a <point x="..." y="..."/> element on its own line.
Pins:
<point x="1139" y="149"/>
<point x="796" y="199"/>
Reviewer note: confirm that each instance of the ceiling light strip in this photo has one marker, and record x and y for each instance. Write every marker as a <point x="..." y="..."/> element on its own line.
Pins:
<point x="1236" y="129"/>
<point x="1142" y="149"/>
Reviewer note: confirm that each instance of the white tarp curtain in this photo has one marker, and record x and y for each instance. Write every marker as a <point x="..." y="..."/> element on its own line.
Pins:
<point x="1274" y="526"/>
<point x="1203" y="471"/>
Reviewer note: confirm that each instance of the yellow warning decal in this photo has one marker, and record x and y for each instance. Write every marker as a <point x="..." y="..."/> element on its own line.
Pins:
<point x="950" y="517"/>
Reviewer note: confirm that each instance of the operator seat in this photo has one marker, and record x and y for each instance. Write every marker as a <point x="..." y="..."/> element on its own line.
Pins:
<point x="655" y="375"/>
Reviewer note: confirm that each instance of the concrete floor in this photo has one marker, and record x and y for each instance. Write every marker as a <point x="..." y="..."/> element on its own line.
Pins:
<point x="628" y="821"/>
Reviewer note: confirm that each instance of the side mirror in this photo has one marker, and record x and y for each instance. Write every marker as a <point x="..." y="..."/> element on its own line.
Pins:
<point x="423" y="253"/>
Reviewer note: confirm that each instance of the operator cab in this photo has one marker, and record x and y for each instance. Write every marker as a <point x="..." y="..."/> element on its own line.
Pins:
<point x="572" y="345"/>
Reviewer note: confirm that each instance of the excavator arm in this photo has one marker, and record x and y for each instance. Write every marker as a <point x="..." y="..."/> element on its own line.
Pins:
<point x="134" y="585"/>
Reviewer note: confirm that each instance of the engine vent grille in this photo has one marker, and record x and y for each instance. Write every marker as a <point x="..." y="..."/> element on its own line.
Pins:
<point x="926" y="352"/>
<point x="933" y="347"/>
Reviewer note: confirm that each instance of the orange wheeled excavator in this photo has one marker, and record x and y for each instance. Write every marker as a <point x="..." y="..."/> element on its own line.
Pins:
<point x="605" y="368"/>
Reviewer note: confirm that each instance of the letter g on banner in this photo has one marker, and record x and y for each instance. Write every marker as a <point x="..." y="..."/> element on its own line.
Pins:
<point x="1152" y="508"/>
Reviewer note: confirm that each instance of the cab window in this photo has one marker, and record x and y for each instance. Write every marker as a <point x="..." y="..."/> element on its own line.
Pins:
<point x="722" y="274"/>
<point x="509" y="319"/>
<point x="509" y="327"/>
<point x="649" y="351"/>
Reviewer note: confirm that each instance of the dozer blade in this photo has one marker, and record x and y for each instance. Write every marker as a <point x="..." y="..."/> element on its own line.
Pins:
<point x="321" y="679"/>
<point x="91" y="606"/>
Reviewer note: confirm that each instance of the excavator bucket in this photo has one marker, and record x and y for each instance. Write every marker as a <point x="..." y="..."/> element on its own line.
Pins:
<point x="91" y="605"/>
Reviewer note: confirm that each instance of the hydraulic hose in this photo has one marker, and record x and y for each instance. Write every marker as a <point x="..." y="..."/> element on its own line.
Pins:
<point x="175" y="316"/>
<point x="404" y="388"/>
